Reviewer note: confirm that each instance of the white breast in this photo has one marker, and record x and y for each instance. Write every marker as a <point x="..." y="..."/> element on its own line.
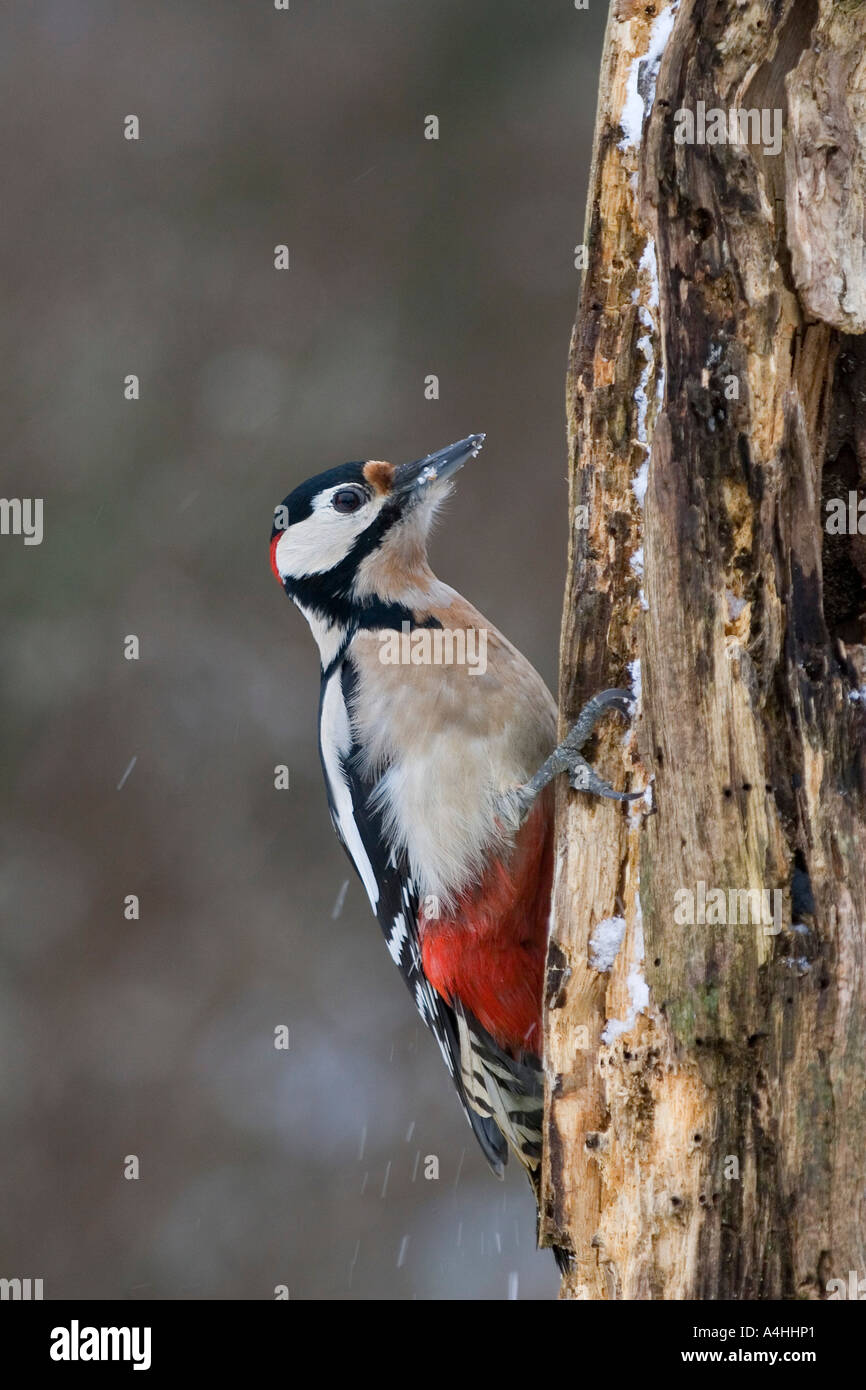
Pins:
<point x="442" y="747"/>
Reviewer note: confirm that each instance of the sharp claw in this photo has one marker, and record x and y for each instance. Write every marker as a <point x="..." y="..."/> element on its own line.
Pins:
<point x="584" y="778"/>
<point x="619" y="796"/>
<point x="623" y="699"/>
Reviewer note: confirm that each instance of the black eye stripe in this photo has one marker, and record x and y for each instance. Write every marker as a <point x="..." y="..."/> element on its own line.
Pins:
<point x="348" y="499"/>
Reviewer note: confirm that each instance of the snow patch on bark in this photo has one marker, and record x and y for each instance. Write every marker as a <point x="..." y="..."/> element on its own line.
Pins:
<point x="634" y="672"/>
<point x="640" y="89"/>
<point x="640" y="483"/>
<point x="650" y="266"/>
<point x="638" y="989"/>
<point x="605" y="942"/>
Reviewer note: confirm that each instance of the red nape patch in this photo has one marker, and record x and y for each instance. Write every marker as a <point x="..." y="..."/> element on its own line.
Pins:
<point x="489" y="952"/>
<point x="274" y="540"/>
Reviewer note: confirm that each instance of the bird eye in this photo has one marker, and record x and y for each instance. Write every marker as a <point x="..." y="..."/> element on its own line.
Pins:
<point x="348" y="499"/>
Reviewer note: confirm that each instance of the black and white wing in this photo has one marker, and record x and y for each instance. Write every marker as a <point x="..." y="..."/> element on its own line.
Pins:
<point x="392" y="893"/>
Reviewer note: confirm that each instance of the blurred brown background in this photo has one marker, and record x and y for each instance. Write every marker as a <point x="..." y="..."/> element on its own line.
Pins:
<point x="408" y="257"/>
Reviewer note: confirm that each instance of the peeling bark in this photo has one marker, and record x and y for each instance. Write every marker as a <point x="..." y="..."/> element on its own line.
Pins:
<point x="709" y="1143"/>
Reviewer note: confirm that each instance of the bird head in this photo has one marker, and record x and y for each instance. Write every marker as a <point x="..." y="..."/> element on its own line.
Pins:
<point x="351" y="543"/>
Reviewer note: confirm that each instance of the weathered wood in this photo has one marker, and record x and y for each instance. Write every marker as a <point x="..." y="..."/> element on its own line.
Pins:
<point x="711" y="1144"/>
<point x="826" y="169"/>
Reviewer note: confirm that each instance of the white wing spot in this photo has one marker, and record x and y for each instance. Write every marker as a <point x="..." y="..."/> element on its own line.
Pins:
<point x="398" y="937"/>
<point x="422" y="1001"/>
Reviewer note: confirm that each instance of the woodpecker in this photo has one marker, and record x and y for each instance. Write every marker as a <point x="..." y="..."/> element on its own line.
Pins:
<point x="438" y="767"/>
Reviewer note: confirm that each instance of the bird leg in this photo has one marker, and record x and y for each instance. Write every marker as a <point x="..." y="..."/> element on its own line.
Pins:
<point x="567" y="757"/>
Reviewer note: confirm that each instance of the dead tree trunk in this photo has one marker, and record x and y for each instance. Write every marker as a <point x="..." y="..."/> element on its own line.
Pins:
<point x="706" y="1113"/>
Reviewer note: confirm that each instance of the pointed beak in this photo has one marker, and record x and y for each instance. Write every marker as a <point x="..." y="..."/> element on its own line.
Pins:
<point x="414" y="479"/>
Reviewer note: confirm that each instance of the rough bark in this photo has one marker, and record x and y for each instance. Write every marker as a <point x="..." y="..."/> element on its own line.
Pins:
<point x="714" y="1145"/>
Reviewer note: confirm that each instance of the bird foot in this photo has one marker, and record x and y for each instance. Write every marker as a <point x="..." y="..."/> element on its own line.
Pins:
<point x="567" y="757"/>
<point x="581" y="776"/>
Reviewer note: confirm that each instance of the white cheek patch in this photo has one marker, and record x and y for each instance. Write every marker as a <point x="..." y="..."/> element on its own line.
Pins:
<point x="324" y="538"/>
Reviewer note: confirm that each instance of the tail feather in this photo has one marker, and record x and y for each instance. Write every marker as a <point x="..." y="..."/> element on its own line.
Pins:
<point x="502" y="1090"/>
<point x="505" y="1105"/>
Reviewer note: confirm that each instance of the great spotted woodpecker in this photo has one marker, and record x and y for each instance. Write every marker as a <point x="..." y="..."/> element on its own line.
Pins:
<point x="437" y="765"/>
